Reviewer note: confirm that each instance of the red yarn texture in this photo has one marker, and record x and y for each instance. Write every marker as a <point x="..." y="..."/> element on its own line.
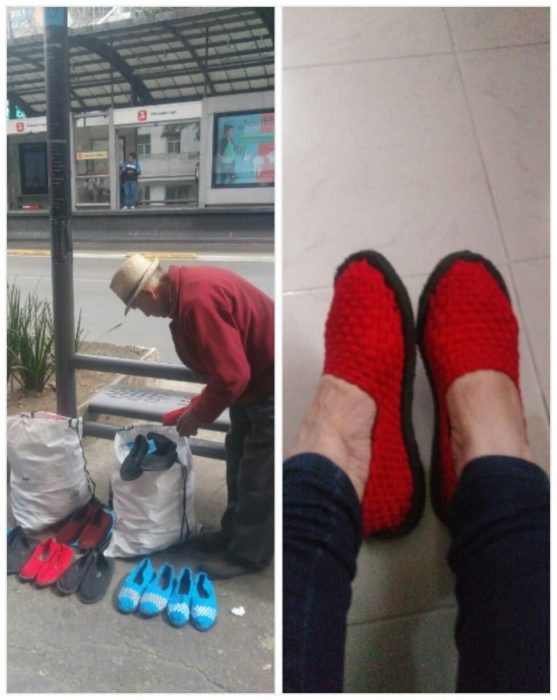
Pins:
<point x="470" y="325"/>
<point x="364" y="345"/>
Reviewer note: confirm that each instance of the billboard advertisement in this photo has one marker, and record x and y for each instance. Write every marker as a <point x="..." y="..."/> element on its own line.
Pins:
<point x="244" y="149"/>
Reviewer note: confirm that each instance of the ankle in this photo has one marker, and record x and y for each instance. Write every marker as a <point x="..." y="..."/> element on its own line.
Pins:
<point x="486" y="418"/>
<point x="338" y="426"/>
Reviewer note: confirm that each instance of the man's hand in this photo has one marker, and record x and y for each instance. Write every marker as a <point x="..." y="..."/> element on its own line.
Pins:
<point x="187" y="424"/>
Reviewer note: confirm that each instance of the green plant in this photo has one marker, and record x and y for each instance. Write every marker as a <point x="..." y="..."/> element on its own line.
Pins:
<point x="13" y="327"/>
<point x="34" y="365"/>
<point x="30" y="339"/>
<point x="79" y="334"/>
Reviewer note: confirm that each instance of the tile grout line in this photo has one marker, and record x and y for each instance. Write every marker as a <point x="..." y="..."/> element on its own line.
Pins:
<point x="509" y="262"/>
<point x="504" y="47"/>
<point x="403" y="276"/>
<point x="430" y="54"/>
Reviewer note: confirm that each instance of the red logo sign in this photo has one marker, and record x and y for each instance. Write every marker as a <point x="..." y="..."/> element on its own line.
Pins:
<point x="20" y="127"/>
<point x="142" y="115"/>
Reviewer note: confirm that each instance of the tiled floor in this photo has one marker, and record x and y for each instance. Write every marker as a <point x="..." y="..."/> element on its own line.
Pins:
<point x="416" y="132"/>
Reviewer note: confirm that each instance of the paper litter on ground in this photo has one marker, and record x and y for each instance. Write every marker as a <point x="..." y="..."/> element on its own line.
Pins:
<point x="240" y="612"/>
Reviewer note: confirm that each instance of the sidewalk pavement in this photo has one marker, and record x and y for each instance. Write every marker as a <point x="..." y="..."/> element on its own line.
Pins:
<point x="57" y="644"/>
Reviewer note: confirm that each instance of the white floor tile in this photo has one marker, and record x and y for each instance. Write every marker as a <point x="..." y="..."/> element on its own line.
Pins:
<point x="532" y="283"/>
<point x="319" y="35"/>
<point x="490" y="27"/>
<point x="508" y="92"/>
<point x="380" y="155"/>
<point x="413" y="654"/>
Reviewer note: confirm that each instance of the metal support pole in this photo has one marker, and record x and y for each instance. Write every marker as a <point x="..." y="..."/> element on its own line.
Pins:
<point x="57" y="79"/>
<point x="113" y="162"/>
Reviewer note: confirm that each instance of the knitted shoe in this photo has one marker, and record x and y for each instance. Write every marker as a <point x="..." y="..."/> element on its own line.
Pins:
<point x="369" y="342"/>
<point x="165" y="454"/>
<point x="178" y="608"/>
<point x="76" y="522"/>
<point x="134" y="585"/>
<point x="96" y="530"/>
<point x="19" y="549"/>
<point x="204" y="605"/>
<point x="465" y="323"/>
<point x="132" y="465"/>
<point x="55" y="566"/>
<point x="40" y="555"/>
<point x="97" y="578"/>
<point x="71" y="579"/>
<point x="155" y="597"/>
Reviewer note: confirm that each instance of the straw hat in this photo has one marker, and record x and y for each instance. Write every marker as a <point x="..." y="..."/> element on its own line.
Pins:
<point x="130" y="278"/>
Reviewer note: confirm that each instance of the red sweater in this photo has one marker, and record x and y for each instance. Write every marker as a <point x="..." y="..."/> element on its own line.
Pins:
<point x="223" y="327"/>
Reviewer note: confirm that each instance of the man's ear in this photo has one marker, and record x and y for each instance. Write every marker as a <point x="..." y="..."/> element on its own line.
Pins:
<point x="148" y="291"/>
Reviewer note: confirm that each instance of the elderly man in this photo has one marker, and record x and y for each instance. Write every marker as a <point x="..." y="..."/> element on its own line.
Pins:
<point x="223" y="327"/>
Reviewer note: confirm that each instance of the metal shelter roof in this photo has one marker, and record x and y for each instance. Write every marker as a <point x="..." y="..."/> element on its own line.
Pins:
<point x="177" y="56"/>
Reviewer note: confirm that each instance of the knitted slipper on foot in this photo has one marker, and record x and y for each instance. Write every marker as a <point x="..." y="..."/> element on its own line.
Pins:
<point x="465" y="323"/>
<point x="369" y="342"/>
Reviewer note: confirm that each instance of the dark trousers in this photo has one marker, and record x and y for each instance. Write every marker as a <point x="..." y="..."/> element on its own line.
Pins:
<point x="499" y="554"/>
<point x="248" y="521"/>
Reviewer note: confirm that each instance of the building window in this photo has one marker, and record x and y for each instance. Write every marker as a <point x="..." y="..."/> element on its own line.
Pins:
<point x="143" y="194"/>
<point x="173" y="143"/>
<point x="144" y="144"/>
<point x="175" y="194"/>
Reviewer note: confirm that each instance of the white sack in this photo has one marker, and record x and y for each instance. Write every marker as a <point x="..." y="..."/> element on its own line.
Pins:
<point x="48" y="476"/>
<point x="156" y="510"/>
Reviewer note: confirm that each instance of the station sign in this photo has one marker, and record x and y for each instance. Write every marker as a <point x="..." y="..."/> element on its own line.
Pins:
<point x="32" y="125"/>
<point x="157" y="113"/>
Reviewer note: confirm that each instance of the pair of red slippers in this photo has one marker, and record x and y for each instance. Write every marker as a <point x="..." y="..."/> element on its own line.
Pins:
<point x="465" y="323"/>
<point x="87" y="528"/>
<point x="48" y="561"/>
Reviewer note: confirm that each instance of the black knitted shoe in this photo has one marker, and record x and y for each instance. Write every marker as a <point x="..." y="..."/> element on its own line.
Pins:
<point x="132" y="466"/>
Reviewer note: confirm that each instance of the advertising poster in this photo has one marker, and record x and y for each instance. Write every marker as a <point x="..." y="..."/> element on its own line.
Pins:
<point x="244" y="149"/>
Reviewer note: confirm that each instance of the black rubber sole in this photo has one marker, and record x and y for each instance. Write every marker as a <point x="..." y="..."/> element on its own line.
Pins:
<point x="377" y="261"/>
<point x="442" y="267"/>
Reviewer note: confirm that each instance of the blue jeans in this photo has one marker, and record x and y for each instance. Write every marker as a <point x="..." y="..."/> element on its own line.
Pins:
<point x="130" y="193"/>
<point x="499" y="554"/>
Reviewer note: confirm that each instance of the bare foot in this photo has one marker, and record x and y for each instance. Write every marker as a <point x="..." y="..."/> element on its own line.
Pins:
<point x="338" y="425"/>
<point x="486" y="418"/>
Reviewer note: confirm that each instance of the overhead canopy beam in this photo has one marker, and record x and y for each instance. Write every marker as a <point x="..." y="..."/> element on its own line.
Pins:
<point x="267" y="16"/>
<point x="114" y="58"/>
<point x="201" y="62"/>
<point x="182" y="50"/>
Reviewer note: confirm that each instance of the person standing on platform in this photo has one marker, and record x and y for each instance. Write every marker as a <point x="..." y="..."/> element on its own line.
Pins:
<point x="130" y="171"/>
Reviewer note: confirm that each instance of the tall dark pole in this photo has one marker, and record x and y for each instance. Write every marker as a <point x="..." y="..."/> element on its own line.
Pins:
<point x="57" y="79"/>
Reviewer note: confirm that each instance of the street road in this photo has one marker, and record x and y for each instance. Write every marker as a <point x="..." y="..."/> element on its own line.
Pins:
<point x="100" y="307"/>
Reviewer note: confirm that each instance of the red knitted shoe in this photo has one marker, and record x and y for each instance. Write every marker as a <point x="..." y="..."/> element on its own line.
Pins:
<point x="54" y="567"/>
<point x="465" y="323"/>
<point x="96" y="530"/>
<point x="71" y="529"/>
<point x="41" y="554"/>
<point x="369" y="342"/>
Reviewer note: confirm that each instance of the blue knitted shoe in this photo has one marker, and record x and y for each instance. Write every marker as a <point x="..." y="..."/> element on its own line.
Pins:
<point x="179" y="603"/>
<point x="203" y="602"/>
<point x="134" y="584"/>
<point x="155" y="597"/>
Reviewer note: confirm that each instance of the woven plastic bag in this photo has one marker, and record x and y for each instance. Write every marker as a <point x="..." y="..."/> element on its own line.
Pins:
<point x="156" y="510"/>
<point x="48" y="473"/>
